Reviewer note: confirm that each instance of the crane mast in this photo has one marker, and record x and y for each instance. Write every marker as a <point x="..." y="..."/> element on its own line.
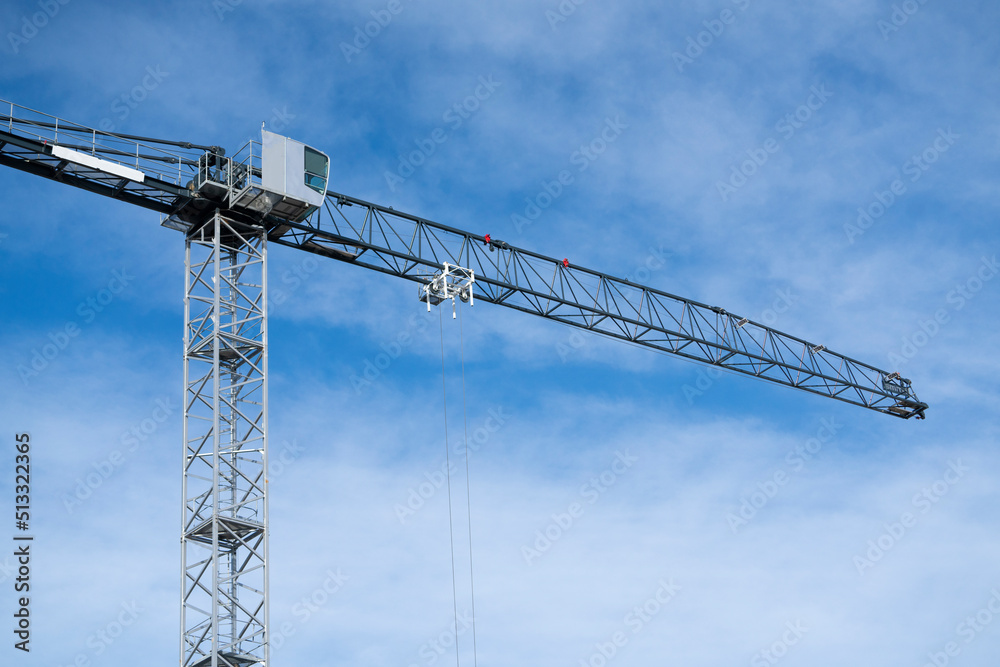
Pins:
<point x="224" y="614"/>
<point x="230" y="208"/>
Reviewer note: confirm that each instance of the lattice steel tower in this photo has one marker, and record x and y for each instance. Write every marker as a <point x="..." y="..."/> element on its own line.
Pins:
<point x="224" y="537"/>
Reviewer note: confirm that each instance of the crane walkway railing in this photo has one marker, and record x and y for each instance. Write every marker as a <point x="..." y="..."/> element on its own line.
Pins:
<point x="171" y="166"/>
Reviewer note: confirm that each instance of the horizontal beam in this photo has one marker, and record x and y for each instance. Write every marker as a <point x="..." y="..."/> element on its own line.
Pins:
<point x="413" y="248"/>
<point x="102" y="187"/>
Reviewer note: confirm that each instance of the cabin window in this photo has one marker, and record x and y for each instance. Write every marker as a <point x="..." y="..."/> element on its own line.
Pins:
<point x="317" y="169"/>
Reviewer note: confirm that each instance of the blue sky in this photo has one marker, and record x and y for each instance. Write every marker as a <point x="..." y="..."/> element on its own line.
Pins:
<point x="874" y="539"/>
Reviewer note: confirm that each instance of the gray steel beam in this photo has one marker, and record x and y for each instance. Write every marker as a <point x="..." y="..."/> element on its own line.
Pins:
<point x="410" y="247"/>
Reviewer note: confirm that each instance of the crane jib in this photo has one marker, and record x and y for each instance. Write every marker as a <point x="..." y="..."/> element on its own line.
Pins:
<point x="281" y="185"/>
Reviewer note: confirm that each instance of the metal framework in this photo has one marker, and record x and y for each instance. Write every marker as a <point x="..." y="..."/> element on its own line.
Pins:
<point x="383" y="239"/>
<point x="403" y="245"/>
<point x="228" y="223"/>
<point x="407" y="246"/>
<point x="224" y="615"/>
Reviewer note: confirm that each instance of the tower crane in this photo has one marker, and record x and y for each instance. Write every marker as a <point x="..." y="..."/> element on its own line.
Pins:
<point x="230" y="209"/>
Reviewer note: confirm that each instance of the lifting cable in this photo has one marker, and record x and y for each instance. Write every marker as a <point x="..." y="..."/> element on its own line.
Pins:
<point x="468" y="492"/>
<point x="447" y="467"/>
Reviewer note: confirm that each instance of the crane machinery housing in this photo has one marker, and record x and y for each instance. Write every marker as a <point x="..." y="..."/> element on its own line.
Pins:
<point x="275" y="191"/>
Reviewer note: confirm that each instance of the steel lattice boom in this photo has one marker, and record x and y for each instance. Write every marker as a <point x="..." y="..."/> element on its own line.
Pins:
<point x="380" y="238"/>
<point x="407" y="246"/>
